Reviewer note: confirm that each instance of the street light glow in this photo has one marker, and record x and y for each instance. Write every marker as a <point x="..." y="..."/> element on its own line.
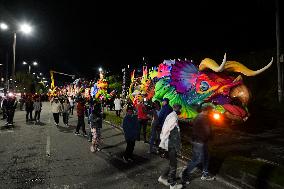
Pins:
<point x="35" y="63"/>
<point x="33" y="73"/>
<point x="25" y="28"/>
<point x="25" y="63"/>
<point x="100" y="69"/>
<point x="4" y="26"/>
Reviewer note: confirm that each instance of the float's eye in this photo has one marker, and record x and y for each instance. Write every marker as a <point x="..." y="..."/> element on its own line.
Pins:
<point x="204" y="86"/>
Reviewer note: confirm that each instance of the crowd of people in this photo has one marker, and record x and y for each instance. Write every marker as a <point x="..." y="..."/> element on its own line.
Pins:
<point x="165" y="132"/>
<point x="165" y="137"/>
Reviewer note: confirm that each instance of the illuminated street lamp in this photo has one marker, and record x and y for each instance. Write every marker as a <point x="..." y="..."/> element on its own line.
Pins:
<point x="34" y="64"/>
<point x="23" y="28"/>
<point x="4" y="26"/>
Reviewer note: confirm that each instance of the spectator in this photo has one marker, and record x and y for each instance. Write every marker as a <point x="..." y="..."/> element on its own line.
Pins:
<point x="80" y="114"/>
<point x="117" y="106"/>
<point x="201" y="134"/>
<point x="170" y="141"/>
<point x="37" y="108"/>
<point x="142" y="118"/>
<point x="154" y="133"/>
<point x="130" y="127"/>
<point x="55" y="109"/>
<point x="96" y="125"/>
<point x="29" y="109"/>
<point x="71" y="101"/>
<point x="65" y="111"/>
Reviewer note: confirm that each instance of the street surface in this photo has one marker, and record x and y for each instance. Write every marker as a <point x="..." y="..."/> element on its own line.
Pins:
<point x="46" y="156"/>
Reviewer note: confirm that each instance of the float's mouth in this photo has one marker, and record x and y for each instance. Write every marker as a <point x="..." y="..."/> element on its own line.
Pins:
<point x="235" y="112"/>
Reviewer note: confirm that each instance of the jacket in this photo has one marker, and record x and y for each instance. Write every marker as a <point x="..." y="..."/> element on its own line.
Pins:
<point x="55" y="107"/>
<point x="170" y="132"/>
<point x="80" y="109"/>
<point x="37" y="106"/>
<point x="165" y="111"/>
<point x="201" y="128"/>
<point x="130" y="127"/>
<point x="65" y="107"/>
<point x="96" y="118"/>
<point x="29" y="105"/>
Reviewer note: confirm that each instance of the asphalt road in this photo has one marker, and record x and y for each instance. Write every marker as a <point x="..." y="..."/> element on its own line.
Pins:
<point x="46" y="156"/>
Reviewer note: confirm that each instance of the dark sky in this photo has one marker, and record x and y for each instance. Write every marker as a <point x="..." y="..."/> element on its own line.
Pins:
<point x="78" y="37"/>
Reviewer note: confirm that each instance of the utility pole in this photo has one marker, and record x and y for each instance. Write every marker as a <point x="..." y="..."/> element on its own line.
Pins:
<point x="7" y="72"/>
<point x="278" y="46"/>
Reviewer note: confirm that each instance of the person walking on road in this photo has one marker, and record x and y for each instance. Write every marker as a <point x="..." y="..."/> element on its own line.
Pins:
<point x="154" y="133"/>
<point x="71" y="101"/>
<point x="29" y="109"/>
<point x="165" y="111"/>
<point x="65" y="111"/>
<point x="81" y="114"/>
<point x="130" y="127"/>
<point x="96" y="122"/>
<point x="117" y="106"/>
<point x="142" y="118"/>
<point x="10" y="109"/>
<point x="37" y="108"/>
<point x="201" y="134"/>
<point x="55" y="109"/>
<point x="171" y="142"/>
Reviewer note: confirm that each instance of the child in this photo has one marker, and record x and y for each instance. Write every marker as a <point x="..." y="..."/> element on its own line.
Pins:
<point x="131" y="129"/>
<point x="95" y="119"/>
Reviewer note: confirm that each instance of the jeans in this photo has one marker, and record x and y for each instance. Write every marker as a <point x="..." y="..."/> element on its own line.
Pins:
<point x="170" y="172"/>
<point x="29" y="113"/>
<point x="56" y="117"/>
<point x="81" y="123"/>
<point x="129" y="149"/>
<point x="71" y="109"/>
<point x="117" y="113"/>
<point x="65" y="118"/>
<point x="199" y="155"/>
<point x="142" y="124"/>
<point x="37" y="115"/>
<point x="10" y="116"/>
<point x="154" y="136"/>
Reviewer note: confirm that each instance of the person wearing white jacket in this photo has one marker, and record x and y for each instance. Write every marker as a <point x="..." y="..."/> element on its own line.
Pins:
<point x="55" y="110"/>
<point x="170" y="141"/>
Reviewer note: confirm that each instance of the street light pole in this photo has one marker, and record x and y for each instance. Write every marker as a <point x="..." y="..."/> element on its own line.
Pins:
<point x="14" y="56"/>
<point x="278" y="46"/>
<point x="29" y="69"/>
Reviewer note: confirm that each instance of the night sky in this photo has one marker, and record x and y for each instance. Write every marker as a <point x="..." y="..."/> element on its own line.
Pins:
<point x="79" y="37"/>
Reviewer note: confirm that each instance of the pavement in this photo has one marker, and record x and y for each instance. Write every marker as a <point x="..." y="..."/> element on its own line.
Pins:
<point x="46" y="156"/>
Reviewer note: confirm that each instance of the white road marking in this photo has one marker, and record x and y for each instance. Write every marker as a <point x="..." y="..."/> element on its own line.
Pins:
<point x="7" y="131"/>
<point x="48" y="146"/>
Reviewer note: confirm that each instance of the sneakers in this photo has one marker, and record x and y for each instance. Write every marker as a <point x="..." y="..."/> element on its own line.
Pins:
<point x="92" y="149"/>
<point x="77" y="133"/>
<point x="85" y="135"/>
<point x="207" y="177"/>
<point x="163" y="181"/>
<point x="176" y="186"/>
<point x="124" y="159"/>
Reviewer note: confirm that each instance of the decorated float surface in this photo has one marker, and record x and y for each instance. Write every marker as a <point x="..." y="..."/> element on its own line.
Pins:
<point x="192" y="85"/>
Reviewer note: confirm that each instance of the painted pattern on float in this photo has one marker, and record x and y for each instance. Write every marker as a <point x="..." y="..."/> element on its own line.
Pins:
<point x="185" y="83"/>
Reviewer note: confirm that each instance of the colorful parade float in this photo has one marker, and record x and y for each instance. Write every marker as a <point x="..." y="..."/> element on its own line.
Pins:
<point x="192" y="85"/>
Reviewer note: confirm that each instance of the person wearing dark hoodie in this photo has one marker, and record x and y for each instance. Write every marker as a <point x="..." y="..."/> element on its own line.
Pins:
<point x="130" y="127"/>
<point x="29" y="109"/>
<point x="201" y="134"/>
